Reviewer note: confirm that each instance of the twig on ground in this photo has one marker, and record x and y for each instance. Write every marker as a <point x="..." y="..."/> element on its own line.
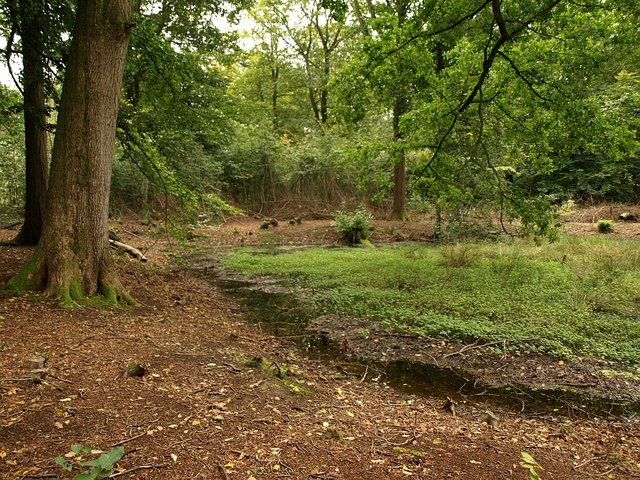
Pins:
<point x="575" y="467"/>
<point x="60" y="379"/>
<point x="20" y="379"/>
<point x="604" y="474"/>
<point x="127" y="440"/>
<point x="139" y="467"/>
<point x="223" y="471"/>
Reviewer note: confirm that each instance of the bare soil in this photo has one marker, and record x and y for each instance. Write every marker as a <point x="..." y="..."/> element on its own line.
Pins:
<point x="202" y="411"/>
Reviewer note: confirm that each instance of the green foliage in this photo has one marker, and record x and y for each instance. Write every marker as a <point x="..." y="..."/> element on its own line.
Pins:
<point x="605" y="226"/>
<point x="575" y="297"/>
<point x="458" y="255"/>
<point x="354" y="226"/>
<point x="174" y="118"/>
<point x="12" y="153"/>
<point x="529" y="463"/>
<point x="101" y="467"/>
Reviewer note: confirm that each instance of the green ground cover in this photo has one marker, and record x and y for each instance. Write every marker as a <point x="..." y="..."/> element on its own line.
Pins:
<point x="577" y="297"/>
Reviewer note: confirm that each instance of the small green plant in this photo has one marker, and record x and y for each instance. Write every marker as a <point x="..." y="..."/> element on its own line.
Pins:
<point x="458" y="255"/>
<point x="354" y="226"/>
<point x="605" y="226"/>
<point x="279" y="372"/>
<point x="529" y="463"/>
<point x="101" y="467"/>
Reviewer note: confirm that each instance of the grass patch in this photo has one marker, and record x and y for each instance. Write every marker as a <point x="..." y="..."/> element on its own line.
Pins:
<point x="578" y="297"/>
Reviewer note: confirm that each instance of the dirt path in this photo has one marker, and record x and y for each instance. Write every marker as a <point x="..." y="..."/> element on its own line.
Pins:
<point x="200" y="411"/>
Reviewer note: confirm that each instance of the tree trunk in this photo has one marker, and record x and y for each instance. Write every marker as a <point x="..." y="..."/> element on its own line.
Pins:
<point x="73" y="257"/>
<point x="275" y="75"/>
<point x="401" y="106"/>
<point x="35" y="121"/>
<point x="399" y="208"/>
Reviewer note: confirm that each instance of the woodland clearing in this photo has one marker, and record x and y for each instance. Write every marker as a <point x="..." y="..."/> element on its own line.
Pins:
<point x="221" y="399"/>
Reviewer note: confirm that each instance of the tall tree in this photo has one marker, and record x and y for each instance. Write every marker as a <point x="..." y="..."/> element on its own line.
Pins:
<point x="314" y="31"/>
<point x="73" y="257"/>
<point x="27" y="15"/>
<point x="35" y="30"/>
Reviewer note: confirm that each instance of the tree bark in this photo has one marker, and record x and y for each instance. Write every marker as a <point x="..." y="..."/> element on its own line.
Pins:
<point x="399" y="207"/>
<point x="73" y="258"/>
<point x="401" y="106"/>
<point x="35" y="121"/>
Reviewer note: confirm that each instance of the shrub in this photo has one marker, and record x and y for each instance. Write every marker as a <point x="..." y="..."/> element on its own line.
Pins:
<point x="605" y="226"/>
<point x="458" y="255"/>
<point x="354" y="226"/>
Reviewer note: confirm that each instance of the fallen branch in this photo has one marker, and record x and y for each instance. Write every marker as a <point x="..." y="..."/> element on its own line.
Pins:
<point x="134" y="252"/>
<point x="20" y="379"/>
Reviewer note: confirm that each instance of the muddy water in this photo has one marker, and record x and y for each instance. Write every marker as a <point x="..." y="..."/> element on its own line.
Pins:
<point x="279" y="311"/>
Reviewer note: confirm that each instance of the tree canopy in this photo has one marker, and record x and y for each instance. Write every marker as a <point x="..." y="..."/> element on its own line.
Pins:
<point x="454" y="107"/>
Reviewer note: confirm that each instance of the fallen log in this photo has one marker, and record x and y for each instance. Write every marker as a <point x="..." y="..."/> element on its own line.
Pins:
<point x="134" y="252"/>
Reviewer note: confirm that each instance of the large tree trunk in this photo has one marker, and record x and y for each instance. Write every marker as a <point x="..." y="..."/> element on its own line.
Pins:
<point x="73" y="257"/>
<point x="35" y="119"/>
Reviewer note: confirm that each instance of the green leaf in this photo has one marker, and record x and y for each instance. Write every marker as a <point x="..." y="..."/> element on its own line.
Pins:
<point x="77" y="448"/>
<point x="106" y="461"/>
<point x="98" y="472"/>
<point x="84" y="476"/>
<point x="62" y="463"/>
<point x="528" y="458"/>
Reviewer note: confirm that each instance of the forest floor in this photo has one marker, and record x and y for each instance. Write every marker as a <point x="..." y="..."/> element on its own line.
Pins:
<point x="205" y="408"/>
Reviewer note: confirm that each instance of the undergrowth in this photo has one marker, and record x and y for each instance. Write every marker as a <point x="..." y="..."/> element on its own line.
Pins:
<point x="578" y="297"/>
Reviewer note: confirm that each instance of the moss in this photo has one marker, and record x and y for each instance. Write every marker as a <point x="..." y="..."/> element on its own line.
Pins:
<point x="111" y="296"/>
<point x="23" y="281"/>
<point x="75" y="290"/>
<point x="64" y="295"/>
<point x="71" y="295"/>
<point x="279" y="373"/>
<point x="258" y="362"/>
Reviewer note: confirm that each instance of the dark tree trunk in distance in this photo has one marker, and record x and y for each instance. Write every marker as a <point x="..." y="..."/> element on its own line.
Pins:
<point x="399" y="207"/>
<point x="401" y="106"/>
<point x="35" y="120"/>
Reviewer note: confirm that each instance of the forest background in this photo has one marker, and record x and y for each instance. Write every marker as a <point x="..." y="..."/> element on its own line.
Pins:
<point x="462" y="109"/>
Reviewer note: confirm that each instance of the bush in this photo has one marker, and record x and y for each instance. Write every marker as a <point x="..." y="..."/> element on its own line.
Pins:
<point x="605" y="226"/>
<point x="354" y="226"/>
